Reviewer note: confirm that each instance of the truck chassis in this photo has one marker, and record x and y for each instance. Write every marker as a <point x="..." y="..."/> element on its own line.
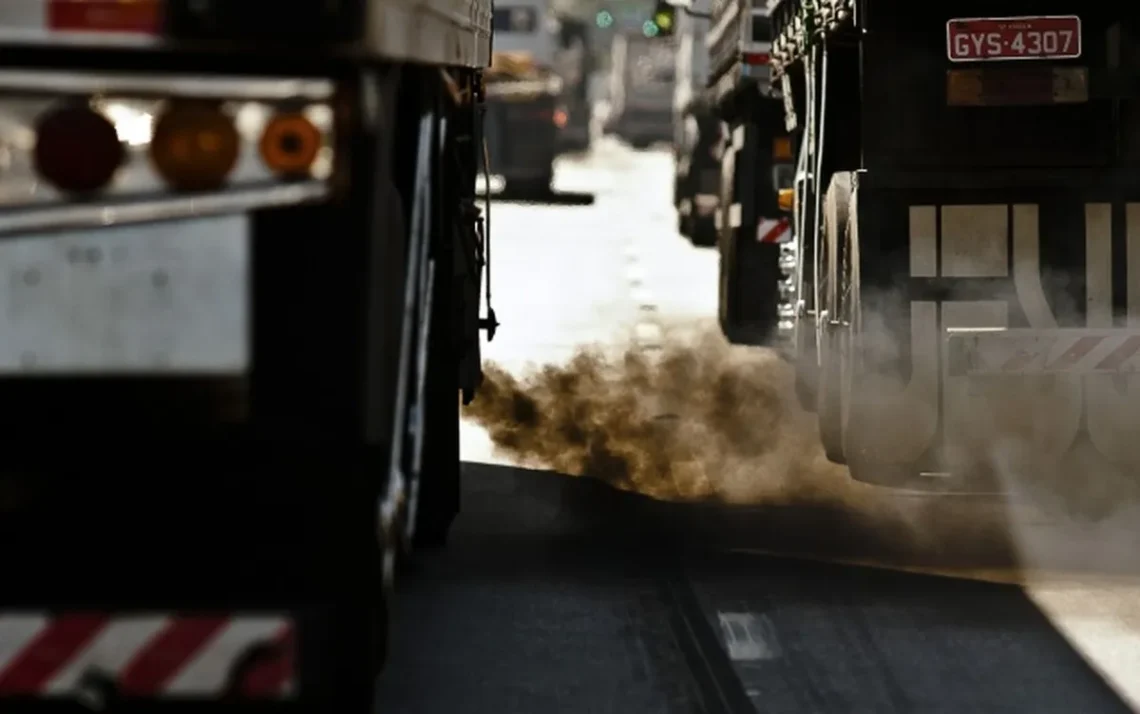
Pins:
<point x="276" y="482"/>
<point x="966" y="312"/>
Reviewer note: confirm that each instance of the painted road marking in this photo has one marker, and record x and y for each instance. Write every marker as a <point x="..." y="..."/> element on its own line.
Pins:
<point x="748" y="636"/>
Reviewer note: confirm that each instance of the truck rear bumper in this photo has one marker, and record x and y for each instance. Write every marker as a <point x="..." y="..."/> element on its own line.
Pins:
<point x="522" y="139"/>
<point x="93" y="657"/>
<point x="261" y="587"/>
<point x="1021" y="352"/>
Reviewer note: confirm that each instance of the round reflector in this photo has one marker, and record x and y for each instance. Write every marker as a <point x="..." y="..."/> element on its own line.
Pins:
<point x="290" y="145"/>
<point x="77" y="149"/>
<point x="195" y="146"/>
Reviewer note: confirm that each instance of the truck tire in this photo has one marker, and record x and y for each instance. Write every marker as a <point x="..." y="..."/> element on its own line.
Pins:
<point x="438" y="498"/>
<point x="749" y="277"/>
<point x="703" y="232"/>
<point x="837" y="252"/>
<point x="437" y="495"/>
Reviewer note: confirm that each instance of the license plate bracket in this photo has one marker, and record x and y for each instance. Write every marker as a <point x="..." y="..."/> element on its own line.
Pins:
<point x="157" y="298"/>
<point x="1004" y="39"/>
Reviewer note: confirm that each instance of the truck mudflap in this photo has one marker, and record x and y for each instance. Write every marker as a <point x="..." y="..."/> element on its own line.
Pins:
<point x="95" y="657"/>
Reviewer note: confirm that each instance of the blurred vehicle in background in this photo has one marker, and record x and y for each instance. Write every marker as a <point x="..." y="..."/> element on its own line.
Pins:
<point x="573" y="63"/>
<point x="756" y="163"/>
<point x="244" y="265"/>
<point x="697" y="140"/>
<point x="642" y="71"/>
<point x="754" y="158"/>
<point x="524" y="105"/>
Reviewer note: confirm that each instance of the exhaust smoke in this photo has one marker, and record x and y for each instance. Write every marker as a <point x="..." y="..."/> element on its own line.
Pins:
<point x="700" y="421"/>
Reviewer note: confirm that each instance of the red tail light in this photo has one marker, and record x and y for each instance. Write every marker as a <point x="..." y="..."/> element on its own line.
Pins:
<point x="77" y="149"/>
<point x="756" y="58"/>
<point x="141" y="16"/>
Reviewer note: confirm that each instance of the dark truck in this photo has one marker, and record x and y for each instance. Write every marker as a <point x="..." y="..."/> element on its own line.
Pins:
<point x="244" y="261"/>
<point x="697" y="140"/>
<point x="738" y="118"/>
<point x="523" y="99"/>
<point x="967" y="208"/>
<point x="521" y="124"/>
<point x="755" y="155"/>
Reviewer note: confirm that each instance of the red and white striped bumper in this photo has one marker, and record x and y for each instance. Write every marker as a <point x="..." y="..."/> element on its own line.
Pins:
<point x="149" y="656"/>
<point x="1021" y="352"/>
<point x="774" y="230"/>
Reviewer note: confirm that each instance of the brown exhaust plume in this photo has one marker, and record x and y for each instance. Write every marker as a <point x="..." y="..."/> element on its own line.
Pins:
<point x="700" y="420"/>
<point x="697" y="420"/>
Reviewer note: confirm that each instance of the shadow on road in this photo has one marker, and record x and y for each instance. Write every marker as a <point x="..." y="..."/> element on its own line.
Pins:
<point x="549" y="198"/>
<point x="558" y="594"/>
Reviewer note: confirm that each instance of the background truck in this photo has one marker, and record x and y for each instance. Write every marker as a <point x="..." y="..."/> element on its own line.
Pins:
<point x="753" y="235"/>
<point x="641" y="87"/>
<point x="966" y="209"/>
<point x="243" y="263"/>
<point x="524" y="98"/>
<point x="697" y="140"/>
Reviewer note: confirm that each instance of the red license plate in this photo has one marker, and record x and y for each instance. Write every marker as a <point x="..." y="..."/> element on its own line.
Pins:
<point x="130" y="16"/>
<point x="989" y="39"/>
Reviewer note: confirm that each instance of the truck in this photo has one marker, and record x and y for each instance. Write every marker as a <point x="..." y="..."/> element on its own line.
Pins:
<point x="641" y="87"/>
<point x="697" y="140"/>
<point x="244" y="261"/>
<point x="966" y="213"/>
<point x="524" y="93"/>
<point x="755" y="163"/>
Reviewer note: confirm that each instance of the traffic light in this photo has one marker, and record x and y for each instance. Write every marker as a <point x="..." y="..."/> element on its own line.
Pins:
<point x="663" y="21"/>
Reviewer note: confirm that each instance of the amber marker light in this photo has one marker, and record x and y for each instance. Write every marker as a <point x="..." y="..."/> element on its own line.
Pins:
<point x="782" y="148"/>
<point x="290" y="145"/>
<point x="195" y="146"/>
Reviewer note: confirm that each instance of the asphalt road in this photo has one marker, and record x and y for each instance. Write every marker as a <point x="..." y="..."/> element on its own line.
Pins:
<point x="808" y="594"/>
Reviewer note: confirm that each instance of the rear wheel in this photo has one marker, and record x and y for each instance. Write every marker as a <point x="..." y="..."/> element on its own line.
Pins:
<point x="434" y="494"/>
<point x="438" y="497"/>
<point x="836" y="278"/>
<point x="703" y="233"/>
<point x="748" y="289"/>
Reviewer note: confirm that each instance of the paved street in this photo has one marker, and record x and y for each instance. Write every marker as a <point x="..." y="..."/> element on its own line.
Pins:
<point x="809" y="594"/>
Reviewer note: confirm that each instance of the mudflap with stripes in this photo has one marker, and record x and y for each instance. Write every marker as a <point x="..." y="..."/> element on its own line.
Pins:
<point x="191" y="577"/>
<point x="998" y="337"/>
<point x="99" y="657"/>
